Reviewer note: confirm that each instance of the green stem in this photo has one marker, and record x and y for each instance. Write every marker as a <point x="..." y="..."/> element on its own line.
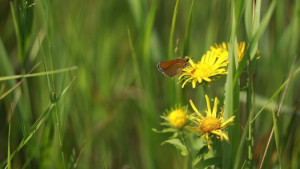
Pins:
<point x="59" y="136"/>
<point x="190" y="159"/>
<point x="8" y="148"/>
<point x="249" y="112"/>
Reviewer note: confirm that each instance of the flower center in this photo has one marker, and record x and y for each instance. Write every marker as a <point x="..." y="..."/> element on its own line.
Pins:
<point x="201" y="70"/>
<point x="177" y="118"/>
<point x="209" y="124"/>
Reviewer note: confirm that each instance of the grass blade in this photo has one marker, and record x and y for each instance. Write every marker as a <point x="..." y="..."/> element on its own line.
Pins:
<point x="8" y="148"/>
<point x="276" y="136"/>
<point x="171" y="52"/>
<point x="16" y="85"/>
<point x="253" y="41"/>
<point x="35" y="127"/>
<point x="135" y="61"/>
<point x="274" y="95"/>
<point x="277" y="116"/>
<point x="16" y="26"/>
<point x="186" y="47"/>
<point x="38" y="74"/>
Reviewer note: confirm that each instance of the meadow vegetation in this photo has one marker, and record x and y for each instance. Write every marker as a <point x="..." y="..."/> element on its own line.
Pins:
<point x="80" y="88"/>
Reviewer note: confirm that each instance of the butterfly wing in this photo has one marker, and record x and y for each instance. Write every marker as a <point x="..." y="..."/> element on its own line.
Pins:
<point x="172" y="67"/>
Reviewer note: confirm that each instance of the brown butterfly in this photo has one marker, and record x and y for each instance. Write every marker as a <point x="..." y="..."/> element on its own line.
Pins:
<point x="172" y="67"/>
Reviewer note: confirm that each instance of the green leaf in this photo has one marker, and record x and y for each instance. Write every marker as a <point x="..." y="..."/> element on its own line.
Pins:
<point x="254" y="40"/>
<point x="166" y="130"/>
<point x="248" y="18"/>
<point x="177" y="143"/>
<point x="209" y="162"/>
<point x="203" y="150"/>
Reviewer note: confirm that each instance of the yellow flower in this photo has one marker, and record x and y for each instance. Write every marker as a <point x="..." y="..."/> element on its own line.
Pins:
<point x="209" y="66"/>
<point x="177" y="118"/>
<point x="212" y="124"/>
<point x="222" y="49"/>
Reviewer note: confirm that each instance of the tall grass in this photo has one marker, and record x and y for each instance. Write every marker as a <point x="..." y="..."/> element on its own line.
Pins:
<point x="79" y="86"/>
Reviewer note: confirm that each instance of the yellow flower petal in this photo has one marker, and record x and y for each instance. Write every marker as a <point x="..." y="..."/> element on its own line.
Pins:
<point x="214" y="113"/>
<point x="221" y="134"/>
<point x="208" y="112"/>
<point x="230" y="120"/>
<point x="196" y="110"/>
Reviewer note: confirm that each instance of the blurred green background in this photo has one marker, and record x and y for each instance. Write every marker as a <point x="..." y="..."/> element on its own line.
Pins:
<point x="105" y="118"/>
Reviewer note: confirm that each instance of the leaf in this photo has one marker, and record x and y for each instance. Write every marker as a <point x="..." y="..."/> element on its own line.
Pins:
<point x="177" y="143"/>
<point x="166" y="130"/>
<point x="203" y="150"/>
<point x="210" y="161"/>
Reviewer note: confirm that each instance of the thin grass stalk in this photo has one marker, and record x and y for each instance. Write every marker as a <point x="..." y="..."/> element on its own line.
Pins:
<point x="16" y="26"/>
<point x="292" y="129"/>
<point x="249" y="19"/>
<point x="173" y="92"/>
<point x="20" y="34"/>
<point x="54" y="100"/>
<point x="9" y="116"/>
<point x="185" y="52"/>
<point x="278" y="114"/>
<point x="171" y="40"/>
<point x="8" y="147"/>
<point x="24" y="19"/>
<point x="30" y="132"/>
<point x="16" y="85"/>
<point x="250" y="71"/>
<point x="147" y="36"/>
<point x="249" y="112"/>
<point x="276" y="136"/>
<point x="134" y="61"/>
<point x="238" y="156"/>
<point x="186" y="46"/>
<point x="5" y="78"/>
<point x="33" y="129"/>
<point x="274" y="95"/>
<point x="146" y="48"/>
<point x="52" y="87"/>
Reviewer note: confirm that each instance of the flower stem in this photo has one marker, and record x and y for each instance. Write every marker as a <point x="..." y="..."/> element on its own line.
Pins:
<point x="187" y="145"/>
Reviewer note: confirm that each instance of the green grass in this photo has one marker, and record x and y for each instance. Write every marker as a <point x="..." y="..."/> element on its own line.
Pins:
<point x="79" y="86"/>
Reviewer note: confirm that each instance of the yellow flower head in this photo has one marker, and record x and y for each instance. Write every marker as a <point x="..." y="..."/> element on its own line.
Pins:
<point x="177" y="118"/>
<point x="212" y="124"/>
<point x="222" y="50"/>
<point x="209" y="66"/>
